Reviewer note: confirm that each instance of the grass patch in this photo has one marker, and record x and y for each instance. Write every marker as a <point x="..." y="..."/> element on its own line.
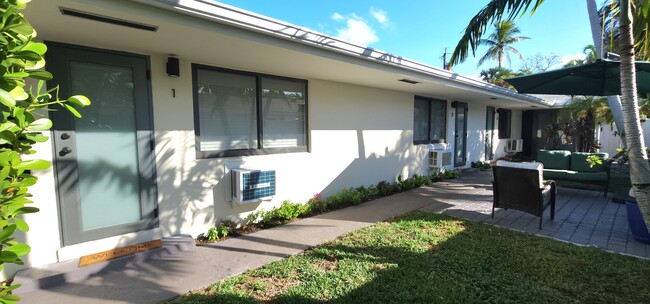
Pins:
<point x="433" y="258"/>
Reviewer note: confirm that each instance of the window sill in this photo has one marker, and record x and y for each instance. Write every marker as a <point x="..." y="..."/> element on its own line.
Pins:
<point x="248" y="152"/>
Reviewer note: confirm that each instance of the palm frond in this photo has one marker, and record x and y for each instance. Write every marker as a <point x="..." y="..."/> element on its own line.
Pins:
<point x="495" y="10"/>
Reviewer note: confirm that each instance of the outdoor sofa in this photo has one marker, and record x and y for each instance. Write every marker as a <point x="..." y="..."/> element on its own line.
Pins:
<point x="564" y="165"/>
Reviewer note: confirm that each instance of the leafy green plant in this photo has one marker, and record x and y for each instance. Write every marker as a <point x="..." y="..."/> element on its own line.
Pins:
<point x="481" y="165"/>
<point x="287" y="211"/>
<point x="317" y="203"/>
<point x="253" y="217"/>
<point x="351" y="196"/>
<point x="451" y="174"/>
<point x="421" y="180"/>
<point x="385" y="188"/>
<point x="212" y="234"/>
<point x="593" y="160"/>
<point x="21" y="128"/>
<point x="334" y="201"/>
<point x="372" y="192"/>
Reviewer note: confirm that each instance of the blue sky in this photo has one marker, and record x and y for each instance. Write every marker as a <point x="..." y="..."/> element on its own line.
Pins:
<point x="422" y="29"/>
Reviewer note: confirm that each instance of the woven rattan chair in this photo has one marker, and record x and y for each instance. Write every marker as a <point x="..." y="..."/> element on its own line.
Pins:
<point x="521" y="186"/>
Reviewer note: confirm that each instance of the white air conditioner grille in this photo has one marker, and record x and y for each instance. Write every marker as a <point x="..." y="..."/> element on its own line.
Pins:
<point x="252" y="185"/>
<point x="515" y="145"/>
<point x="439" y="159"/>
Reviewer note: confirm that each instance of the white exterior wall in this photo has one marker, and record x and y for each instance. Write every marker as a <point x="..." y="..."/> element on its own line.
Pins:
<point x="515" y="132"/>
<point x="359" y="136"/>
<point x="610" y="142"/>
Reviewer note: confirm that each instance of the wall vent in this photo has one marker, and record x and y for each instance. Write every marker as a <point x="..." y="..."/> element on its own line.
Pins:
<point x="107" y="19"/>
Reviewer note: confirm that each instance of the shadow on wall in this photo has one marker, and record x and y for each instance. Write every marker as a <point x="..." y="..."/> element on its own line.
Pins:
<point x="184" y="184"/>
<point x="403" y="158"/>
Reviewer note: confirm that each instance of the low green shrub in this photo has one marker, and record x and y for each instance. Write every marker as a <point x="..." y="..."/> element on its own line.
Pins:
<point x="212" y="234"/>
<point x="316" y="204"/>
<point x="334" y="201"/>
<point x="287" y="211"/>
<point x="372" y="192"/>
<point x="385" y="188"/>
<point x="481" y="165"/>
<point x="351" y="196"/>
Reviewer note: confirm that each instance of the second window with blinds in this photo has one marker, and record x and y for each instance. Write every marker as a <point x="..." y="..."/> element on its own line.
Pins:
<point x="239" y="113"/>
<point x="429" y="120"/>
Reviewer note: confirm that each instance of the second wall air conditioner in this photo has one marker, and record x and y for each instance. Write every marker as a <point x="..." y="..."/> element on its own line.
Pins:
<point x="515" y="145"/>
<point x="439" y="159"/>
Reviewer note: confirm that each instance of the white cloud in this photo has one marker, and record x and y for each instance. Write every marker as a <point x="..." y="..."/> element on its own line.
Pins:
<point x="567" y="58"/>
<point x="337" y="17"/>
<point x="357" y="31"/>
<point x="380" y="15"/>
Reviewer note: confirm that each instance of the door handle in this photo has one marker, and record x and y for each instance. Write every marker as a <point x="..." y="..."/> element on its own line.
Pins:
<point x="65" y="151"/>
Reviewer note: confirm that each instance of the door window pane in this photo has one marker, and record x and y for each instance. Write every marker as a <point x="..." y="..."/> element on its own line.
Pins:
<point x="227" y="110"/>
<point x="283" y="113"/>
<point x="106" y="146"/>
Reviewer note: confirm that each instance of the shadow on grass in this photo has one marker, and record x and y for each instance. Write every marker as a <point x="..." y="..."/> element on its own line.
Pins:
<point x="433" y="258"/>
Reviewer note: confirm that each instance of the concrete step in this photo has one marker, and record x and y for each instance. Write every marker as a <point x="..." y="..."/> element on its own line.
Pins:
<point x="49" y="276"/>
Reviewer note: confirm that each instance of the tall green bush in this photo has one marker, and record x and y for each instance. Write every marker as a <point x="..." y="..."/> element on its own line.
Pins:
<point x="21" y="127"/>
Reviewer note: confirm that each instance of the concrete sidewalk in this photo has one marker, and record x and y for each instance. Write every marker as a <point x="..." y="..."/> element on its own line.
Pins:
<point x="169" y="275"/>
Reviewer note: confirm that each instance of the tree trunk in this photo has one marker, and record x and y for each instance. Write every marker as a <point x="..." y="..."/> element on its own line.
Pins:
<point x="639" y="166"/>
<point x="596" y="30"/>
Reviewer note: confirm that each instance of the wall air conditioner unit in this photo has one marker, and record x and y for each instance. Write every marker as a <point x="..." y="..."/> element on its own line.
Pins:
<point x="515" y="145"/>
<point x="439" y="159"/>
<point x="251" y="186"/>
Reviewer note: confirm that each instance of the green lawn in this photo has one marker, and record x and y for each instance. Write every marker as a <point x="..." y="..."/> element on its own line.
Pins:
<point x="433" y="258"/>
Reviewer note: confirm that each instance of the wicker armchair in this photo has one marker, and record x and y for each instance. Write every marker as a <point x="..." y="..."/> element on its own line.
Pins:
<point x="521" y="186"/>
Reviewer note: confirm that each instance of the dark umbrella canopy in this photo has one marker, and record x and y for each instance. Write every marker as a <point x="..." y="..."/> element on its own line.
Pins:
<point x="600" y="78"/>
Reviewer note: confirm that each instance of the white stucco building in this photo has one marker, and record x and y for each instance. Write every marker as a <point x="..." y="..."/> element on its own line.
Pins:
<point x="152" y="156"/>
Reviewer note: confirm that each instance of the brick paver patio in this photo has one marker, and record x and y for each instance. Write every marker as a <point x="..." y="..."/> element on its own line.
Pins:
<point x="582" y="217"/>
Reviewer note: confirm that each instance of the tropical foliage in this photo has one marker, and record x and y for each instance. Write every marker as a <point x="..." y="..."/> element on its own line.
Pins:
<point x="610" y="14"/>
<point x="581" y="116"/>
<point x="629" y="11"/>
<point x="590" y="57"/>
<point x="497" y="75"/>
<point x="21" y="127"/>
<point x="500" y="43"/>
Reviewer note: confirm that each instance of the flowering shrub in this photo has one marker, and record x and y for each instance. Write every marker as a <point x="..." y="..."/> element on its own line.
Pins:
<point x="289" y="211"/>
<point x="317" y="203"/>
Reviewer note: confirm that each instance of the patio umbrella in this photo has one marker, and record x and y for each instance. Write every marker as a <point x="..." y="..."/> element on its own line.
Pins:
<point x="600" y="78"/>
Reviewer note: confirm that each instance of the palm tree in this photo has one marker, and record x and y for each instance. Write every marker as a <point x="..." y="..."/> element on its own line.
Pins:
<point x="609" y="14"/>
<point x="496" y="10"/>
<point x="590" y="51"/>
<point x="496" y="76"/>
<point x="500" y="42"/>
<point x="583" y="114"/>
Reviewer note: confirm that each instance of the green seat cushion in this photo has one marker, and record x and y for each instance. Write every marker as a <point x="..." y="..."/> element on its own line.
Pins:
<point x="593" y="177"/>
<point x="555" y="174"/>
<point x="554" y="159"/>
<point x="579" y="162"/>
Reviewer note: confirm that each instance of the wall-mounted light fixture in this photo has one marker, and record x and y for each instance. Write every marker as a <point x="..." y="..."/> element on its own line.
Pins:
<point x="173" y="69"/>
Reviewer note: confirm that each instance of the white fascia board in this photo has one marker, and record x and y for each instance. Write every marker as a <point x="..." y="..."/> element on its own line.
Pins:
<point x="232" y="16"/>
